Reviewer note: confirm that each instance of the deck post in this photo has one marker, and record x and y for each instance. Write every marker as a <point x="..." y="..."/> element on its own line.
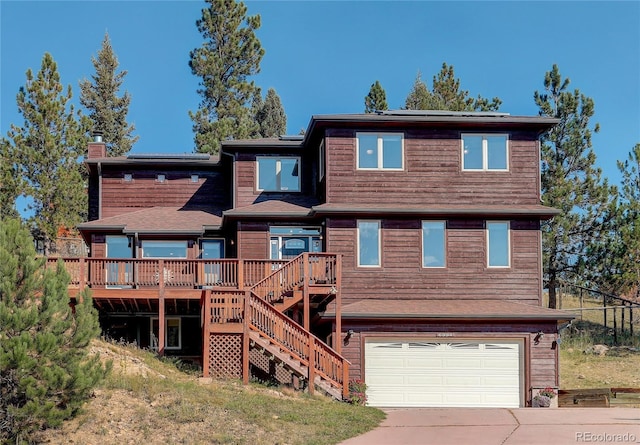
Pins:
<point x="206" y="336"/>
<point x="312" y="364"/>
<point x="161" y="317"/>
<point x="245" y="338"/>
<point x="345" y="379"/>
<point x="82" y="282"/>
<point x="305" y="291"/>
<point x="240" y="274"/>
<point x="337" y="337"/>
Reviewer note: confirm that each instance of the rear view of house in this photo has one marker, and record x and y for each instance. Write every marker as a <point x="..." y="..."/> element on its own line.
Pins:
<point x="400" y="248"/>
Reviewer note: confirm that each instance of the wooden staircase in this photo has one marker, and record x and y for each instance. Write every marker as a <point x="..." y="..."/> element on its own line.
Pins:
<point x="254" y="319"/>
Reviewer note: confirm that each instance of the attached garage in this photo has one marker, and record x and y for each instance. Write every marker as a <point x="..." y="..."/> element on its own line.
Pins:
<point x="443" y="373"/>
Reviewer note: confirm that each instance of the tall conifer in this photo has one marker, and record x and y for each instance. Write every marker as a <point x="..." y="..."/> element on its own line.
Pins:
<point x="570" y="182"/>
<point x="46" y="372"/>
<point x="46" y="149"/>
<point x="271" y="116"/>
<point x="229" y="56"/>
<point x="100" y="97"/>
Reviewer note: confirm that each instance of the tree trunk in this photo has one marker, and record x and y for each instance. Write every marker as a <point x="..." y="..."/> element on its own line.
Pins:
<point x="553" y="301"/>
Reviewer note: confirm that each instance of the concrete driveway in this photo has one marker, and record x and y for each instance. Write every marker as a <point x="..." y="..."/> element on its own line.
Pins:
<point x="494" y="426"/>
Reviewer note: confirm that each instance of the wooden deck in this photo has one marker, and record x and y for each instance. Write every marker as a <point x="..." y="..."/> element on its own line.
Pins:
<point x="241" y="301"/>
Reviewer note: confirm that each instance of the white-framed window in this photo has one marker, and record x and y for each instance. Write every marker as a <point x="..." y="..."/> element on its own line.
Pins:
<point x="161" y="178"/>
<point x="172" y="333"/>
<point x="434" y="244"/>
<point x="127" y="177"/>
<point x="164" y="249"/>
<point x="498" y="244"/>
<point x="289" y="242"/>
<point x="380" y="151"/>
<point x="278" y="174"/>
<point x="369" y="251"/>
<point x="195" y="178"/>
<point x="484" y="152"/>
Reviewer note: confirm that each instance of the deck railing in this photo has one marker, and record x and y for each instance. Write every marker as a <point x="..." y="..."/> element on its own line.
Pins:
<point x="150" y="272"/>
<point x="317" y="268"/>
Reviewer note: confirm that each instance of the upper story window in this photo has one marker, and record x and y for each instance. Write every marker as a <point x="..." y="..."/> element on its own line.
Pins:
<point x="485" y="152"/>
<point x="161" y="178"/>
<point x="380" y="151"/>
<point x="127" y="177"/>
<point x="278" y="174"/>
<point x="195" y="178"/>
<point x="498" y="244"/>
<point x="433" y="243"/>
<point x="369" y="244"/>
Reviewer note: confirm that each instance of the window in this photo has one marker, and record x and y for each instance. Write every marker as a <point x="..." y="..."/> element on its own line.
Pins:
<point x="369" y="243"/>
<point x="161" y="178"/>
<point x="164" y="249"/>
<point x="277" y="174"/>
<point x="172" y="333"/>
<point x="128" y="177"/>
<point x="380" y="151"/>
<point x="289" y="242"/>
<point x="433" y="243"/>
<point x="485" y="152"/>
<point x="498" y="245"/>
<point x="195" y="178"/>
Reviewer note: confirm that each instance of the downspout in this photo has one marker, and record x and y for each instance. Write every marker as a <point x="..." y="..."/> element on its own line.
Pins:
<point x="99" y="190"/>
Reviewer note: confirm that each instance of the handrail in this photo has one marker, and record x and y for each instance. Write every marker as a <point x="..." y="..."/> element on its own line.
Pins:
<point x="302" y="344"/>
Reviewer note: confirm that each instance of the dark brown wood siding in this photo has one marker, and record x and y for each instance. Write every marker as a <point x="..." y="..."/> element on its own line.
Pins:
<point x="253" y="240"/>
<point x="144" y="191"/>
<point x="246" y="192"/>
<point x="432" y="172"/>
<point x="465" y="276"/>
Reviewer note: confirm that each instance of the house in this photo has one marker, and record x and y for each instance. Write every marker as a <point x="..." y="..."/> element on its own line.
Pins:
<point x="402" y="248"/>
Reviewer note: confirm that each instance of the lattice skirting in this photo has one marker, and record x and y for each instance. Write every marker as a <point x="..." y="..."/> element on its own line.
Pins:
<point x="225" y="356"/>
<point x="263" y="367"/>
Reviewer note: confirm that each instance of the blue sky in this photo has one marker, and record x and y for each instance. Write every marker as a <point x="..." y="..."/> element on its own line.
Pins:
<point x="322" y="57"/>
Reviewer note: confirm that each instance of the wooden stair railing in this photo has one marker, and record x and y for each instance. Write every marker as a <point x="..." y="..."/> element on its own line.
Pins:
<point x="325" y="366"/>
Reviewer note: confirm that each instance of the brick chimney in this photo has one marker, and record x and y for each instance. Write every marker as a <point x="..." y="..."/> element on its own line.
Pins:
<point x="97" y="148"/>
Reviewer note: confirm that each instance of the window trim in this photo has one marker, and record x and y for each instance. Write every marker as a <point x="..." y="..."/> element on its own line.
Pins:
<point x="380" y="147"/>
<point x="278" y="170"/>
<point x="487" y="239"/>
<point x="444" y="243"/>
<point x="166" y="333"/>
<point x="379" y="223"/>
<point x="485" y="152"/>
<point x="186" y="250"/>
<point x="321" y="161"/>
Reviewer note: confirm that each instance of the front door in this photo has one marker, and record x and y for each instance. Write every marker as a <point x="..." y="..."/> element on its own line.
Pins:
<point x="289" y="242"/>
<point x="212" y="249"/>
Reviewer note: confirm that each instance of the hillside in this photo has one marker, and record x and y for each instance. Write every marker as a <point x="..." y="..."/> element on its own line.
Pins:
<point x="146" y="400"/>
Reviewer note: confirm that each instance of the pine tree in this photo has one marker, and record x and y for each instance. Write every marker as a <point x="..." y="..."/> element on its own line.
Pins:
<point x="446" y="94"/>
<point x="270" y="116"/>
<point x="376" y="100"/>
<point x="570" y="182"/>
<point x="46" y="372"/>
<point x="46" y="150"/>
<point x="10" y="181"/>
<point x="107" y="111"/>
<point x="616" y="254"/>
<point x="229" y="55"/>
<point x="419" y="98"/>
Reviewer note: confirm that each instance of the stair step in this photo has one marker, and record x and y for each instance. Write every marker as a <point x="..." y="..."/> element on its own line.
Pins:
<point x="293" y="364"/>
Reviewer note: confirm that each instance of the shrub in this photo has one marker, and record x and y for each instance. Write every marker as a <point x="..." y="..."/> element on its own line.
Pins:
<point x="46" y="372"/>
<point x="357" y="392"/>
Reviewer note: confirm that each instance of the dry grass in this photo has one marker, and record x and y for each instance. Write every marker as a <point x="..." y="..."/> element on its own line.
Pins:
<point x="146" y="400"/>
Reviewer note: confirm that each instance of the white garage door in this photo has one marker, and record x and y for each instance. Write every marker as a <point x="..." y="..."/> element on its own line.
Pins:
<point x="432" y="374"/>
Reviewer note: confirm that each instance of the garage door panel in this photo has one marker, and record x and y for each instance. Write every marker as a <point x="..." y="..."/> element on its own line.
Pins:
<point x="457" y="374"/>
